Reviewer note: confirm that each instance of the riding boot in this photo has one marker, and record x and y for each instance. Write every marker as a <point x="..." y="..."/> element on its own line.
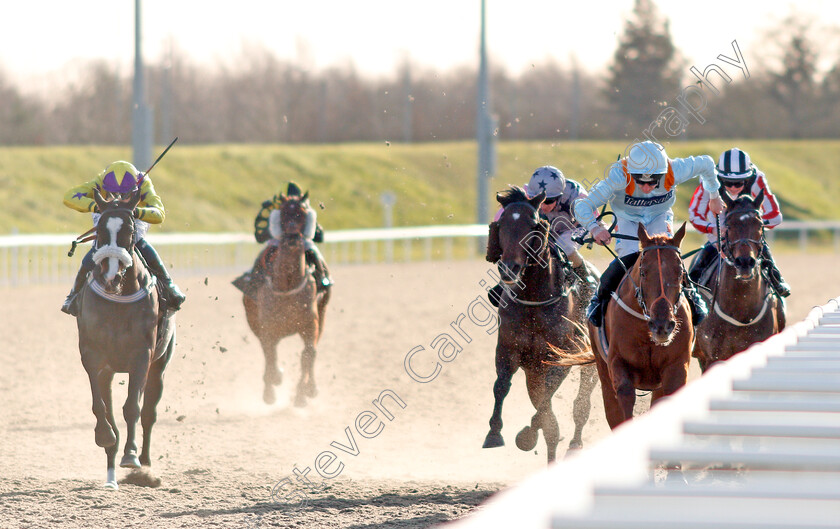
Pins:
<point x="495" y="295"/>
<point x="321" y="273"/>
<point x="704" y="259"/>
<point x="696" y="303"/>
<point x="776" y="280"/>
<point x="173" y="294"/>
<point x="250" y="281"/>
<point x="610" y="280"/>
<point x="71" y="304"/>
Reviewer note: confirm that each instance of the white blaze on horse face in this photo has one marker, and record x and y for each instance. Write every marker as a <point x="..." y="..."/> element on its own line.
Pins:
<point x="745" y="216"/>
<point x="515" y="216"/>
<point x="114" y="225"/>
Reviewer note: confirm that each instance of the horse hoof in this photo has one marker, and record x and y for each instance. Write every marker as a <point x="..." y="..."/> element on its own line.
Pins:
<point x="277" y="377"/>
<point x="312" y="391"/>
<point x="104" y="436"/>
<point x="110" y="485"/>
<point x="130" y="460"/>
<point x="300" y="401"/>
<point x="526" y="439"/>
<point x="268" y="395"/>
<point x="493" y="440"/>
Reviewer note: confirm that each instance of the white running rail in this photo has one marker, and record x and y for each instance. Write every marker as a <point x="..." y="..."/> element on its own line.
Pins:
<point x="754" y="443"/>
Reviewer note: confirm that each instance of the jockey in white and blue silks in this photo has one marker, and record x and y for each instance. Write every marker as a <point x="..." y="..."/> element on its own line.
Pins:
<point x="641" y="189"/>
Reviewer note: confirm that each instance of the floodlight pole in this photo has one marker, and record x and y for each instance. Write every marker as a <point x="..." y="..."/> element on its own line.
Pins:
<point x="141" y="115"/>
<point x="484" y="132"/>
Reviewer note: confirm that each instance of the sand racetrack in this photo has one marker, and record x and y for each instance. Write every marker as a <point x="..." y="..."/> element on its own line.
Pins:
<point x="219" y="450"/>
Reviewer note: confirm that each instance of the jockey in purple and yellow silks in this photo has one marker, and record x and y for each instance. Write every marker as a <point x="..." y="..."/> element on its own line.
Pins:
<point x="118" y="179"/>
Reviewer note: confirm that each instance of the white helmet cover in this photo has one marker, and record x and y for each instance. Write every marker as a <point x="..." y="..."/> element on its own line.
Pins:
<point x="647" y="158"/>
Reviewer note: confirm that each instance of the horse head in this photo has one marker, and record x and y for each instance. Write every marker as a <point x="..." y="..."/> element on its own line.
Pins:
<point x="520" y="232"/>
<point x="743" y="234"/>
<point x="659" y="275"/>
<point x="114" y="238"/>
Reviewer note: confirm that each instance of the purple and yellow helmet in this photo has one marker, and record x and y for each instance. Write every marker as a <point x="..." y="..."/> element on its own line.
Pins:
<point x="121" y="177"/>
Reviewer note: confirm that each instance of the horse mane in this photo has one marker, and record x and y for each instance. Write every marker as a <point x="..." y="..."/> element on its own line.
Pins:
<point x="511" y="195"/>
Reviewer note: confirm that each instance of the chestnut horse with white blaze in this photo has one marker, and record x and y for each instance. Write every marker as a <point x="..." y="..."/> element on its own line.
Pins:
<point x="647" y="336"/>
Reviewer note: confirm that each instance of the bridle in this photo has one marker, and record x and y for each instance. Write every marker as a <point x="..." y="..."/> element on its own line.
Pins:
<point x="536" y="258"/>
<point x="113" y="250"/>
<point x="728" y="247"/>
<point x="638" y="289"/>
<point x="289" y="239"/>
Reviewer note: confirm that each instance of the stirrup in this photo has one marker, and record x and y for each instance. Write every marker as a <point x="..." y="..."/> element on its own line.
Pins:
<point x="323" y="284"/>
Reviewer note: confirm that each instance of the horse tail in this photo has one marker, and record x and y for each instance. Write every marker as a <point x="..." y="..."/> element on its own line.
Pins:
<point x="560" y="357"/>
<point x="585" y="355"/>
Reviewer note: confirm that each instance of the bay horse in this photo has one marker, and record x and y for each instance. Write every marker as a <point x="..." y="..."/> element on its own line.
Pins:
<point x="647" y="330"/>
<point x="288" y="303"/>
<point x="537" y="322"/>
<point x="743" y="308"/>
<point x="123" y="329"/>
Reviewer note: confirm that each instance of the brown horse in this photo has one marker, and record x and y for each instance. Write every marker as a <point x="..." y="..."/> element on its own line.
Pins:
<point x="744" y="309"/>
<point x="537" y="314"/>
<point x="122" y="329"/>
<point x="647" y="329"/>
<point x="288" y="304"/>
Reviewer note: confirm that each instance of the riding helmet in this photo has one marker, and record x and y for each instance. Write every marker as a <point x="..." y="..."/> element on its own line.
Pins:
<point x="549" y="179"/>
<point x="121" y="177"/>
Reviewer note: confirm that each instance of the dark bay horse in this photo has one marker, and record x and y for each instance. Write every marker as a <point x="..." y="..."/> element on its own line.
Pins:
<point x="537" y="322"/>
<point x="647" y="329"/>
<point x="122" y="329"/>
<point x="744" y="309"/>
<point x="288" y="304"/>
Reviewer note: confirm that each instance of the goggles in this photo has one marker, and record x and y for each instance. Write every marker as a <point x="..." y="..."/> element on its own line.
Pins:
<point x="644" y="178"/>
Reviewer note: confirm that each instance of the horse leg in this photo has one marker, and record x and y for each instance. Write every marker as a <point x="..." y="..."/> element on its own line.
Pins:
<point x="131" y="408"/>
<point x="104" y="380"/>
<point x="611" y="406"/>
<point x="541" y="388"/>
<point x="322" y="311"/>
<point x="103" y="431"/>
<point x="306" y="384"/>
<point x="151" y="398"/>
<point x="583" y="403"/>
<point x="272" y="376"/>
<point x="674" y="377"/>
<point x="625" y="391"/>
<point x="504" y="374"/>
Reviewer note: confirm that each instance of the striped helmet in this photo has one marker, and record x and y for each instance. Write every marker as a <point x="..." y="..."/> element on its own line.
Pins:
<point x="121" y="177"/>
<point x="549" y="179"/>
<point x="735" y="165"/>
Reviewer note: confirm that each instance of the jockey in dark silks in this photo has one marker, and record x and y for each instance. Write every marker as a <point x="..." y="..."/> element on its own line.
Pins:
<point x="118" y="179"/>
<point x="267" y="229"/>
